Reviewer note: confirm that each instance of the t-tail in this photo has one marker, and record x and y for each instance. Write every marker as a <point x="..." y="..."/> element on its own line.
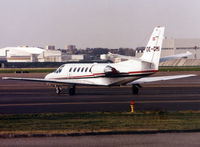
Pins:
<point x="153" y="49"/>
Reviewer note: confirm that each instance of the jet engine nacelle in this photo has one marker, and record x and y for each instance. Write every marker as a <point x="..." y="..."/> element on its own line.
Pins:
<point x="110" y="71"/>
<point x="107" y="70"/>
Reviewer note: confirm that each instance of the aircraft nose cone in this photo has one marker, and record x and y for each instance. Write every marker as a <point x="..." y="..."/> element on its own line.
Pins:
<point x="47" y="76"/>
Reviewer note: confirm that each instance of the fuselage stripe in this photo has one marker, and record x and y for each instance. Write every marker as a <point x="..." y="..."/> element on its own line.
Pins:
<point x="103" y="74"/>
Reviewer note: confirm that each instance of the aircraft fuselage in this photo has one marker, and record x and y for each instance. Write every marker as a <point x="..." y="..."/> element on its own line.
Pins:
<point x="106" y="74"/>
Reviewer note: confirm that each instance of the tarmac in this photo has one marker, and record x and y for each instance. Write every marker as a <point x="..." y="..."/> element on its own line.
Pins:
<point x="18" y="97"/>
<point x="141" y="140"/>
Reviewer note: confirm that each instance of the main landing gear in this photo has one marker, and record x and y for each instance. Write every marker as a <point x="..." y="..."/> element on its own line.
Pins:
<point x="135" y="89"/>
<point x="71" y="90"/>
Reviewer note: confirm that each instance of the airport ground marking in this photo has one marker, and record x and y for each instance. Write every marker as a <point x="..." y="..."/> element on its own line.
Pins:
<point x="93" y="103"/>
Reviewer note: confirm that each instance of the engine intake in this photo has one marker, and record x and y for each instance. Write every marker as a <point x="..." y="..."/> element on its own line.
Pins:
<point x="110" y="71"/>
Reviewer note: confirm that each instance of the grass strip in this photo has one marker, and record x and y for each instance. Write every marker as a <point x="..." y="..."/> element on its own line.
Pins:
<point x="59" y="123"/>
<point x="177" y="68"/>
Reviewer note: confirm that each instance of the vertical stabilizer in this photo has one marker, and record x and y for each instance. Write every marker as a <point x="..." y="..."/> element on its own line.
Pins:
<point x="153" y="49"/>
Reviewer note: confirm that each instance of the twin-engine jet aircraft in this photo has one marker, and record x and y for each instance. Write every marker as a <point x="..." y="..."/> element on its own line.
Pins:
<point x="132" y="72"/>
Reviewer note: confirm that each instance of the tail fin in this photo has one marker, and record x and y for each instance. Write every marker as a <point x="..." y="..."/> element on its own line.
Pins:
<point x="153" y="49"/>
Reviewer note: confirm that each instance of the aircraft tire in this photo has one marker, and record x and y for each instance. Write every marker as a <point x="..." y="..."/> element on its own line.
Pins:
<point x="72" y="91"/>
<point x="135" y="90"/>
<point x="58" y="90"/>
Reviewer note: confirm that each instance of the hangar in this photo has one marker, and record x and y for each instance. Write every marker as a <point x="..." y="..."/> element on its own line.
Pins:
<point x="29" y="54"/>
<point x="20" y="54"/>
<point x="177" y="46"/>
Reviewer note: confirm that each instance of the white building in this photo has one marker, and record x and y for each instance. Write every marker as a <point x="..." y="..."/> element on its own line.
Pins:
<point x="72" y="57"/>
<point x="50" y="56"/>
<point x="20" y="54"/>
<point x="104" y="57"/>
<point x="29" y="54"/>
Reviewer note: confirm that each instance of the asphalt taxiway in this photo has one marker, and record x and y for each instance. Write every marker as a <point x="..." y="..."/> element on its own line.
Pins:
<point x="141" y="140"/>
<point x="31" y="97"/>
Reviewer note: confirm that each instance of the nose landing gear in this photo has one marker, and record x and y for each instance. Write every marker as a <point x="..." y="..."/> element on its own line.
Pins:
<point x="58" y="89"/>
<point x="71" y="90"/>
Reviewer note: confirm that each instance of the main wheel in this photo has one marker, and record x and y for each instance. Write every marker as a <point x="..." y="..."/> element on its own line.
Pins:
<point x="72" y="90"/>
<point x="135" y="90"/>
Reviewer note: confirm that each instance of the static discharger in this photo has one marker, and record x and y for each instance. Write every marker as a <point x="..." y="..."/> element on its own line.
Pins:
<point x="132" y="106"/>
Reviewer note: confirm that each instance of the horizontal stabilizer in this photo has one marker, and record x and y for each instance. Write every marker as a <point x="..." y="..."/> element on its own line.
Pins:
<point x="120" y="56"/>
<point x="177" y="56"/>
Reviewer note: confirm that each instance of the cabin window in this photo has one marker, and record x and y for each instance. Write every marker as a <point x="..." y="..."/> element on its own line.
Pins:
<point x="78" y="69"/>
<point x="86" y="69"/>
<point x="90" y="69"/>
<point x="74" y="69"/>
<point x="70" y="69"/>
<point x="82" y="69"/>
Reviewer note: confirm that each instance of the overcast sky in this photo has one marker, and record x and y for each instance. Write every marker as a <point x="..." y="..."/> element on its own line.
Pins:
<point x="95" y="23"/>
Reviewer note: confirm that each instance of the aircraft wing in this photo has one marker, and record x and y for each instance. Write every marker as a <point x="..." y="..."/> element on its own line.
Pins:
<point x="85" y="82"/>
<point x="161" y="78"/>
<point x="177" y="56"/>
<point x="67" y="81"/>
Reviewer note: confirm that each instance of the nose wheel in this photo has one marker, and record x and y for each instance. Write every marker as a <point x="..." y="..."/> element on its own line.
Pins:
<point x="71" y="90"/>
<point x="58" y="89"/>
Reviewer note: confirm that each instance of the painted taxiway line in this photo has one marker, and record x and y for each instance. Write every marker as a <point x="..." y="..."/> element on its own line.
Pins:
<point x="96" y="103"/>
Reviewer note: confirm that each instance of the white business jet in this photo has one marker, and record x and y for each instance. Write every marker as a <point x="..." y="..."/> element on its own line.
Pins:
<point x="132" y="72"/>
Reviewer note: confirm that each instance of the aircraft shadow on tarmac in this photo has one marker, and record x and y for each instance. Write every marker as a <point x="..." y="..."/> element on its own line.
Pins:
<point x="127" y="91"/>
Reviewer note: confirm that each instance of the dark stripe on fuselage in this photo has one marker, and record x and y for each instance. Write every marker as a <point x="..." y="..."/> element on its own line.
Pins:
<point x="99" y="75"/>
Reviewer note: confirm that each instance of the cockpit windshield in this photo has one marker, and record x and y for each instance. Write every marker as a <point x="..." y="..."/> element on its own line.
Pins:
<point x="59" y="70"/>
